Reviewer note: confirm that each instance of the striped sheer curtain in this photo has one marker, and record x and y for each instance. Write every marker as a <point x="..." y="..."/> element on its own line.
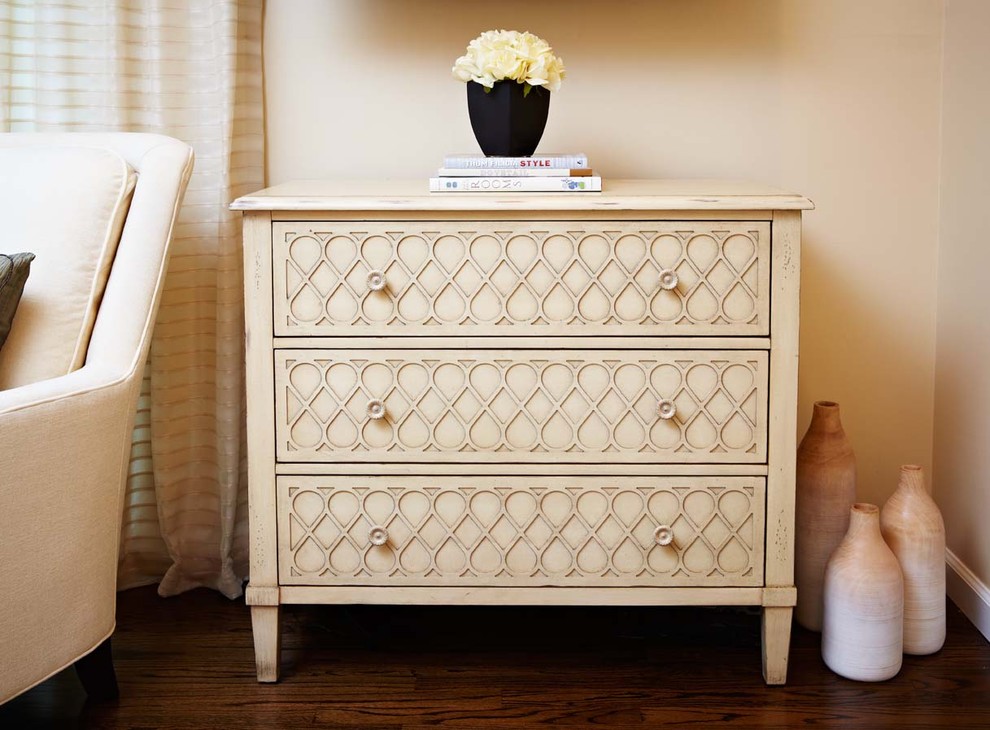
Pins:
<point x="190" y="69"/>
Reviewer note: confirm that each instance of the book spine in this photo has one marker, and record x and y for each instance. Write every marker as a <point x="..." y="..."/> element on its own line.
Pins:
<point x="592" y="184"/>
<point x="475" y="161"/>
<point x="515" y="172"/>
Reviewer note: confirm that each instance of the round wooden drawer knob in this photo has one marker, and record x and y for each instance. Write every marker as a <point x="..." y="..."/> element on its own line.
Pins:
<point x="663" y="535"/>
<point x="376" y="409"/>
<point x="376" y="280"/>
<point x="668" y="279"/>
<point x="378" y="535"/>
<point x="666" y="409"/>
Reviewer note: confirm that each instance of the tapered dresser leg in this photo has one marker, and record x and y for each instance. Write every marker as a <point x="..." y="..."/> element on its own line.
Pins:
<point x="265" y="624"/>
<point x="96" y="674"/>
<point x="776" y="642"/>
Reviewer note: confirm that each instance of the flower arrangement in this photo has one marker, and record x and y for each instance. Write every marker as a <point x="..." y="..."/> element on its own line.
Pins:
<point x="507" y="55"/>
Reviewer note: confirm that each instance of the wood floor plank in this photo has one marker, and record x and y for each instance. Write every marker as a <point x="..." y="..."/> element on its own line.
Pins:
<point x="187" y="662"/>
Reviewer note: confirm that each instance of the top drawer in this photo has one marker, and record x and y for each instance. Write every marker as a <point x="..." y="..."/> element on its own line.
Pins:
<point x="537" y="278"/>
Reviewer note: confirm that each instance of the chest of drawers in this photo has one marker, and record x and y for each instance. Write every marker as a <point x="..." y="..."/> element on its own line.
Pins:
<point x="509" y="399"/>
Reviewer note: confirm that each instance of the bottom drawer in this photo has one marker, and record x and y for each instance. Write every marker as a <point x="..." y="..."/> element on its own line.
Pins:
<point x="521" y="531"/>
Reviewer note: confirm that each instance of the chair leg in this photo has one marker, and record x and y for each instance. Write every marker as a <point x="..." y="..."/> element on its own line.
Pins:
<point x="95" y="671"/>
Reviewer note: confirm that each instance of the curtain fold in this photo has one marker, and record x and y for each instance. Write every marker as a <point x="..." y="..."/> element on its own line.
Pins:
<point x="191" y="69"/>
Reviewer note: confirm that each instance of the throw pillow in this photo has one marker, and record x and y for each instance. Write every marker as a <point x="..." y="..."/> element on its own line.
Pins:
<point x="13" y="273"/>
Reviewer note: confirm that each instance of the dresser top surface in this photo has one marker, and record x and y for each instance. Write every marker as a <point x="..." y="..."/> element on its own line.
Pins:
<point x="382" y="195"/>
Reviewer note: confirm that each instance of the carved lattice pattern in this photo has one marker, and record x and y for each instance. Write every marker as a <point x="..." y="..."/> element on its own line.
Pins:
<point x="550" y="278"/>
<point x="480" y="405"/>
<point x="504" y="533"/>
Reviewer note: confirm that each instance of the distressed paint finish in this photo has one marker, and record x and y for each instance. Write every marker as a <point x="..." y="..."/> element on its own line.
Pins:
<point x="782" y="441"/>
<point x="295" y="541"/>
<point x="521" y="531"/>
<point x="482" y="405"/>
<point x="381" y="196"/>
<point x="530" y="278"/>
<point x="260" y="419"/>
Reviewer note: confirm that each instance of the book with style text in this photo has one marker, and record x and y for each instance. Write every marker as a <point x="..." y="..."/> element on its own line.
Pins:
<point x="536" y="161"/>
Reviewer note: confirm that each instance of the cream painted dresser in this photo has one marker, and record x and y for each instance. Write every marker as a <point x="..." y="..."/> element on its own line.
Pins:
<point x="522" y="399"/>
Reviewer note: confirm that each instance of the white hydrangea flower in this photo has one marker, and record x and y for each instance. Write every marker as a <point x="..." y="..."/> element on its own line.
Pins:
<point x="507" y="55"/>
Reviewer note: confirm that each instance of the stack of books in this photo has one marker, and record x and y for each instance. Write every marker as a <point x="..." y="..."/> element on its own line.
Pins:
<point x="550" y="173"/>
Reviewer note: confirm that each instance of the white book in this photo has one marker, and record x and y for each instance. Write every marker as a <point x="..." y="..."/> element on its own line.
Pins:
<point x="515" y="172"/>
<point x="577" y="159"/>
<point x="592" y="184"/>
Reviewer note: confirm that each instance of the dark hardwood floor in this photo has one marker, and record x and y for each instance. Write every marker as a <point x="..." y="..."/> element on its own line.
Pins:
<point x="187" y="662"/>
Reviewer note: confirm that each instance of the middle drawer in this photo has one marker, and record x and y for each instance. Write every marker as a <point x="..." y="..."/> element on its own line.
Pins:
<point x="467" y="405"/>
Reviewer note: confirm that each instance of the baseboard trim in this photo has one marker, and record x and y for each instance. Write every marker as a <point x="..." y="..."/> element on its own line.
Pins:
<point x="968" y="592"/>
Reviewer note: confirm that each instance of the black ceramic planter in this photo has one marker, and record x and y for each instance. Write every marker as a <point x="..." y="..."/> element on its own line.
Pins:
<point x="506" y="123"/>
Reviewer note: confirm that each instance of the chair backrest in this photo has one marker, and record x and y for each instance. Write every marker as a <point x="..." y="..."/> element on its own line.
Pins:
<point x="66" y="205"/>
<point x="75" y="200"/>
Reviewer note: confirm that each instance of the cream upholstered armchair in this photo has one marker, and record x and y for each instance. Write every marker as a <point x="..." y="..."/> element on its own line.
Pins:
<point x="97" y="210"/>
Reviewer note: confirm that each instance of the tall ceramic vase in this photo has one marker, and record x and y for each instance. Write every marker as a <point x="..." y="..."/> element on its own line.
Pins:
<point x="863" y="619"/>
<point x="912" y="526"/>
<point x="826" y="490"/>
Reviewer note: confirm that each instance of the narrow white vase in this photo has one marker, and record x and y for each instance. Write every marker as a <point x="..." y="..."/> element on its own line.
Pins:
<point x="863" y="619"/>
<point x="913" y="528"/>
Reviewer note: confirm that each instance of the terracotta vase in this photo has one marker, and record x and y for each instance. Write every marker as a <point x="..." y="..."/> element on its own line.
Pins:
<point x="863" y="619"/>
<point x="912" y="526"/>
<point x="826" y="490"/>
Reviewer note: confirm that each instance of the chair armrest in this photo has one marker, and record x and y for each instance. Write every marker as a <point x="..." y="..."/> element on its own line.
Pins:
<point x="63" y="453"/>
<point x="75" y="384"/>
<point x="64" y="447"/>
<point x="63" y="438"/>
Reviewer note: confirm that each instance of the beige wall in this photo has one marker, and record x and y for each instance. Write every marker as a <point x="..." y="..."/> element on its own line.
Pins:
<point x="962" y="380"/>
<point x="838" y="100"/>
